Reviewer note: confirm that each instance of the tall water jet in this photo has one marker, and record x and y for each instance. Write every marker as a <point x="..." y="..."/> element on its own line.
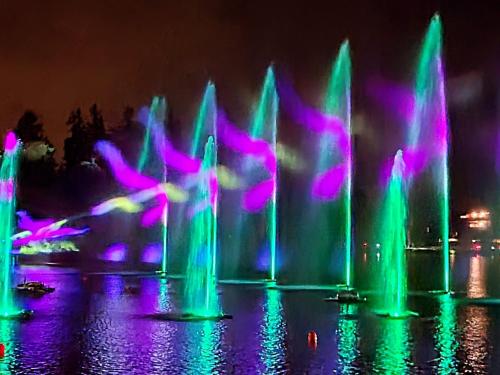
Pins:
<point x="205" y="126"/>
<point x="338" y="103"/>
<point x="393" y="273"/>
<point x="156" y="117"/>
<point x="8" y="174"/>
<point x="264" y="126"/>
<point x="200" y="293"/>
<point x="429" y="132"/>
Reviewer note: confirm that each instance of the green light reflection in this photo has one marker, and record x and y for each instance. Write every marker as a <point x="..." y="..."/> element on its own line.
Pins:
<point x="347" y="338"/>
<point x="393" y="349"/>
<point x="445" y="335"/>
<point x="273" y="328"/>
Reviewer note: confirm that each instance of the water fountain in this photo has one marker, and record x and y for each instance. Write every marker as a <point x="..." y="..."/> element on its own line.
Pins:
<point x="393" y="273"/>
<point x="255" y="223"/>
<point x="338" y="103"/>
<point x="429" y="136"/>
<point x="200" y="289"/>
<point x="156" y="117"/>
<point x="8" y="174"/>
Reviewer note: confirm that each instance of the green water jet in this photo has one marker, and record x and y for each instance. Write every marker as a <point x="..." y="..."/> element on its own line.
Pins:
<point x="429" y="114"/>
<point x="200" y="292"/>
<point x="156" y="115"/>
<point x="393" y="273"/>
<point x="264" y="126"/>
<point x="8" y="174"/>
<point x="338" y="103"/>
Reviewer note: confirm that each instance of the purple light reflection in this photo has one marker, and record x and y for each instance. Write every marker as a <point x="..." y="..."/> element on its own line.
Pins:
<point x="127" y="176"/>
<point x="114" y="253"/>
<point x="10" y="142"/>
<point x="256" y="198"/>
<point x="328" y="185"/>
<point x="152" y="253"/>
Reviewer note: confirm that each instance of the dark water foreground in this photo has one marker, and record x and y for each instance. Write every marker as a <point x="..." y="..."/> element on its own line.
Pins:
<point x="93" y="324"/>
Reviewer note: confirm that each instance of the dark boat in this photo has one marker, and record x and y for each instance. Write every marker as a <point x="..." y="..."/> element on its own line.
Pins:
<point x="34" y="288"/>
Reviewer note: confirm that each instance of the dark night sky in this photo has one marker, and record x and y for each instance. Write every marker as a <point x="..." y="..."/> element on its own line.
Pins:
<point x="56" y="55"/>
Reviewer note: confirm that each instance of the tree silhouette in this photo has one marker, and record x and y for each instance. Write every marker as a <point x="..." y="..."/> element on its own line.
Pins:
<point x="37" y="160"/>
<point x="76" y="146"/>
<point x="29" y="128"/>
<point x="95" y="126"/>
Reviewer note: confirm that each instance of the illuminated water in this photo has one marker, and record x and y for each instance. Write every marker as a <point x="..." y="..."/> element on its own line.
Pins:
<point x="392" y="236"/>
<point x="88" y="325"/>
<point x="429" y="133"/>
<point x="338" y="103"/>
<point x="8" y="176"/>
<point x="200" y="293"/>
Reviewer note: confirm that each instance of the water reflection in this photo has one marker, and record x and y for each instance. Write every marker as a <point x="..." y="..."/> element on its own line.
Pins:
<point x="476" y="325"/>
<point x="347" y="333"/>
<point x="6" y="334"/>
<point x="204" y="354"/>
<point x="393" y="349"/>
<point x="445" y="335"/>
<point x="273" y="328"/>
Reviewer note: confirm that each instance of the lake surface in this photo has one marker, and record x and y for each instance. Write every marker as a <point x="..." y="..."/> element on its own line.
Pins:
<point x="89" y="325"/>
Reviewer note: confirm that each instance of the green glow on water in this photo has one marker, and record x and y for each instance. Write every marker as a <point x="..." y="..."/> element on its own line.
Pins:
<point x="7" y="332"/>
<point x="200" y="293"/>
<point x="430" y="109"/>
<point x="8" y="173"/>
<point x="273" y="330"/>
<point x="445" y="335"/>
<point x="203" y="350"/>
<point x="264" y="126"/>
<point x="392" y="276"/>
<point x="347" y="333"/>
<point x="338" y="103"/>
<point x="393" y="349"/>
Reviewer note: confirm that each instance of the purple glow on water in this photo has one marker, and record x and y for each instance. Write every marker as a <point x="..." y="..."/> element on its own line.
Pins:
<point x="6" y="190"/>
<point x="10" y="142"/>
<point x="152" y="253"/>
<point x="115" y="253"/>
<point x="157" y="213"/>
<point x="256" y="198"/>
<point x="214" y="189"/>
<point x="48" y="235"/>
<point x="169" y="155"/>
<point x="311" y="118"/>
<point x="241" y="142"/>
<point x="415" y="160"/>
<point x="264" y="259"/>
<point x="25" y="222"/>
<point x="122" y="172"/>
<point x="328" y="185"/>
<point x="196" y="208"/>
<point x="395" y="98"/>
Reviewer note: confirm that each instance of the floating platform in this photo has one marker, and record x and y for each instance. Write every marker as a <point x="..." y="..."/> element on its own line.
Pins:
<point x="346" y="296"/>
<point x="17" y="315"/>
<point x="307" y="287"/>
<point x="186" y="317"/>
<point x="483" y="301"/>
<point x="404" y="315"/>
<point x="246" y="282"/>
